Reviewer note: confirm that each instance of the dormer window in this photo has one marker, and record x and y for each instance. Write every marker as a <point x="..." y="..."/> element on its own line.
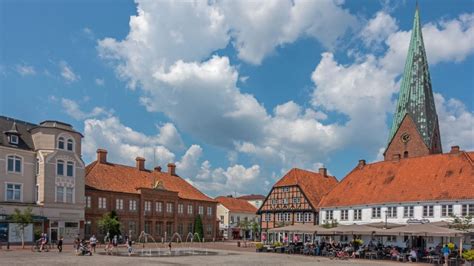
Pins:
<point x="70" y="145"/>
<point x="61" y="143"/>
<point x="14" y="139"/>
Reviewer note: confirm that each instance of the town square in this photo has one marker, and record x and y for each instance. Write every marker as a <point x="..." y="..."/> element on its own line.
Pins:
<point x="223" y="132"/>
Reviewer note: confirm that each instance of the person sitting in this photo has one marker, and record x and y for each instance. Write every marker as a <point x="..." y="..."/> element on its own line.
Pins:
<point x="394" y="254"/>
<point x="413" y="255"/>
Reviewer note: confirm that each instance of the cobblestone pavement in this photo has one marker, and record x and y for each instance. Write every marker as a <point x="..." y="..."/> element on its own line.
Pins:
<point x="228" y="254"/>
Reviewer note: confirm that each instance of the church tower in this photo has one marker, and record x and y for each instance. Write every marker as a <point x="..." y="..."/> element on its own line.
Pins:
<point x="415" y="128"/>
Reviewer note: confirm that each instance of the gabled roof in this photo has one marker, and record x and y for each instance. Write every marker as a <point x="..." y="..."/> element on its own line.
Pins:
<point x="313" y="185"/>
<point x="252" y="197"/>
<point x="447" y="176"/>
<point x="21" y="128"/>
<point x="127" y="179"/>
<point x="236" y="205"/>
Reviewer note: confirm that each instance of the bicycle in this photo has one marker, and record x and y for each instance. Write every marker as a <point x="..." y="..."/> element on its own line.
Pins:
<point x="37" y="247"/>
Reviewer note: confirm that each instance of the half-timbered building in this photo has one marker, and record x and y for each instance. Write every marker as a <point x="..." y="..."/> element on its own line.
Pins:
<point x="294" y="198"/>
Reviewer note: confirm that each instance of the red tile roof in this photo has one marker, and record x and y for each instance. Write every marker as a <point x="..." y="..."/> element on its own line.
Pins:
<point x="425" y="178"/>
<point x="122" y="178"/>
<point x="314" y="185"/>
<point x="236" y="205"/>
<point x="252" y="197"/>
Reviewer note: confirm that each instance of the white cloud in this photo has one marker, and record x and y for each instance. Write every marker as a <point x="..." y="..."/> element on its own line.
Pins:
<point x="456" y="123"/>
<point x="67" y="73"/>
<point x="99" y="82"/>
<point x="73" y="109"/>
<point x="188" y="166"/>
<point x="378" y="29"/>
<point x="25" y="70"/>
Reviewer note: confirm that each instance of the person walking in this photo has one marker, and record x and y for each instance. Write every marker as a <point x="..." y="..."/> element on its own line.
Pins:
<point x="446" y="252"/>
<point x="115" y="243"/>
<point x="77" y="243"/>
<point x="129" y="246"/>
<point x="108" y="243"/>
<point x="93" y="242"/>
<point x="60" y="244"/>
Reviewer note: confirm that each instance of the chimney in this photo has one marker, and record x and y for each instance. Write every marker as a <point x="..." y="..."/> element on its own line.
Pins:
<point x="361" y="163"/>
<point x="101" y="156"/>
<point x="157" y="168"/>
<point x="396" y="157"/>
<point x="323" y="171"/>
<point x="454" y="149"/>
<point x="140" y="163"/>
<point x="171" y="169"/>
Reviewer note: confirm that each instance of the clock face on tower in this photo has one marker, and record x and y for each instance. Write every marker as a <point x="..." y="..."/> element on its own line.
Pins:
<point x="405" y="137"/>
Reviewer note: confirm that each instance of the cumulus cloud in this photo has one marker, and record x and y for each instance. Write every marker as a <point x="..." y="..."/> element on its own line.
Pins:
<point x="378" y="29"/>
<point x="99" y="82"/>
<point x="67" y="73"/>
<point x="25" y="70"/>
<point x="73" y="109"/>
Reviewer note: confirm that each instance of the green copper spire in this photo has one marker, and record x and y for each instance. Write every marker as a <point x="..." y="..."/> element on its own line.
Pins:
<point x="416" y="96"/>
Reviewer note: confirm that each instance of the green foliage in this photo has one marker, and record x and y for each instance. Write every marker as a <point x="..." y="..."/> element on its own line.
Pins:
<point x="198" y="228"/>
<point x="22" y="219"/>
<point x="451" y="246"/>
<point x="462" y="223"/>
<point x="330" y="224"/>
<point x="468" y="255"/>
<point x="259" y="245"/>
<point x="359" y="242"/>
<point x="277" y="244"/>
<point x="109" y="223"/>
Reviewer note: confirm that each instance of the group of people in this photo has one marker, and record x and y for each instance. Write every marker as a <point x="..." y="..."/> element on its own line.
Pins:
<point x="111" y="244"/>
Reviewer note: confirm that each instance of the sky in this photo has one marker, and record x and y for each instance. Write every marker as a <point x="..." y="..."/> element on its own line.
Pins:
<point x="236" y="93"/>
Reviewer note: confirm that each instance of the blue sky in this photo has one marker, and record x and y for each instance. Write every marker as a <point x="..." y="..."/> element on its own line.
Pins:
<point x="235" y="93"/>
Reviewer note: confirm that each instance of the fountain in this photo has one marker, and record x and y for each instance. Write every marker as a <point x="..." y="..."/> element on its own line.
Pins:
<point x="154" y="250"/>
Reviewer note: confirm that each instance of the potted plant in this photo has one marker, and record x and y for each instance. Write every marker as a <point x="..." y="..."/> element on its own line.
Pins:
<point x="259" y="246"/>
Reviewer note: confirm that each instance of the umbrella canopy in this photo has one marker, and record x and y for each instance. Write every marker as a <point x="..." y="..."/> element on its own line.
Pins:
<point x="383" y="225"/>
<point x="297" y="228"/>
<point x="421" y="230"/>
<point x="353" y="229"/>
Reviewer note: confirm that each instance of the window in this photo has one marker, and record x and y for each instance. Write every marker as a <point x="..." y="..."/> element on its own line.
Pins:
<point x="37" y="166"/>
<point x="308" y="217"/>
<point x="209" y="211"/>
<point x="14" y="164"/>
<point x="13" y="192"/>
<point x="159" y="206"/>
<point x="169" y="229"/>
<point x="180" y="229"/>
<point x="190" y="227"/>
<point x="286" y="189"/>
<point x="69" y="195"/>
<point x="60" y="167"/>
<point x="296" y="200"/>
<point x="299" y="217"/>
<point x="274" y="201"/>
<point x="147" y="227"/>
<point x="232" y="219"/>
<point x="132" y="205"/>
<point x="180" y="208"/>
<point x="392" y="239"/>
<point x="446" y="210"/>
<point x="169" y="207"/>
<point x="132" y="226"/>
<point x="357" y="215"/>
<point x="102" y="203"/>
<point x="408" y="211"/>
<point x="59" y="194"/>
<point x="201" y="210"/>
<point x="287" y="217"/>
<point x="467" y="210"/>
<point x="14" y="139"/>
<point x="70" y="169"/>
<point x="376" y="213"/>
<point x="329" y="215"/>
<point x="285" y="201"/>
<point x="119" y="204"/>
<point x="238" y="219"/>
<point x="88" y="201"/>
<point x="61" y="143"/>
<point x="147" y="206"/>
<point x="428" y="211"/>
<point x="392" y="212"/>
<point x="344" y="215"/>
<point x="88" y="228"/>
<point x="209" y="229"/>
<point x="405" y="154"/>
<point x="70" y="145"/>
<point x="190" y="209"/>
<point x="222" y="219"/>
<point x="159" y="228"/>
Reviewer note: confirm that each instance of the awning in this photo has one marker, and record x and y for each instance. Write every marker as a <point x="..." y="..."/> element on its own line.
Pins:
<point x="421" y="230"/>
<point x="383" y="225"/>
<point x="298" y="228"/>
<point x="354" y="229"/>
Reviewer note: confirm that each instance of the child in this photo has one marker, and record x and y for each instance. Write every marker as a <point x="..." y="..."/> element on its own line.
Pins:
<point x="60" y="244"/>
<point x="129" y="246"/>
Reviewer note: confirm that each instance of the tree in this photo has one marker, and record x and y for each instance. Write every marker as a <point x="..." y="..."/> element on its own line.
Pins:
<point x="244" y="225"/>
<point x="22" y="220"/>
<point x="330" y="224"/>
<point x="255" y="228"/>
<point x="109" y="223"/>
<point x="462" y="223"/>
<point x="198" y="228"/>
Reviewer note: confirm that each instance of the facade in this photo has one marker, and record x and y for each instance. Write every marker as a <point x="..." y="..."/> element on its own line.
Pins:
<point x="416" y="183"/>
<point x="41" y="168"/>
<point x="255" y="200"/>
<point x="151" y="201"/>
<point x="231" y="212"/>
<point x="294" y="198"/>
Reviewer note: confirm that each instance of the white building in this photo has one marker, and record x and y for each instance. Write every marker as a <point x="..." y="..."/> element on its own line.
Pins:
<point x="231" y="213"/>
<point x="254" y="199"/>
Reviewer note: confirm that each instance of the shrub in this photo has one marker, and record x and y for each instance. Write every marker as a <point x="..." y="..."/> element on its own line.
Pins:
<point x="259" y="245"/>
<point x="468" y="255"/>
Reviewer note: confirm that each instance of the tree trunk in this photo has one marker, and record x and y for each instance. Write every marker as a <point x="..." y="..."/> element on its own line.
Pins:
<point x="23" y="238"/>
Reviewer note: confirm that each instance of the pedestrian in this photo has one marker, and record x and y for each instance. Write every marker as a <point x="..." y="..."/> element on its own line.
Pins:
<point x="446" y="252"/>
<point x="77" y="243"/>
<point x="60" y="244"/>
<point x="169" y="245"/>
<point x="115" y="243"/>
<point x="93" y="242"/>
<point x="107" y="242"/>
<point x="129" y="246"/>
